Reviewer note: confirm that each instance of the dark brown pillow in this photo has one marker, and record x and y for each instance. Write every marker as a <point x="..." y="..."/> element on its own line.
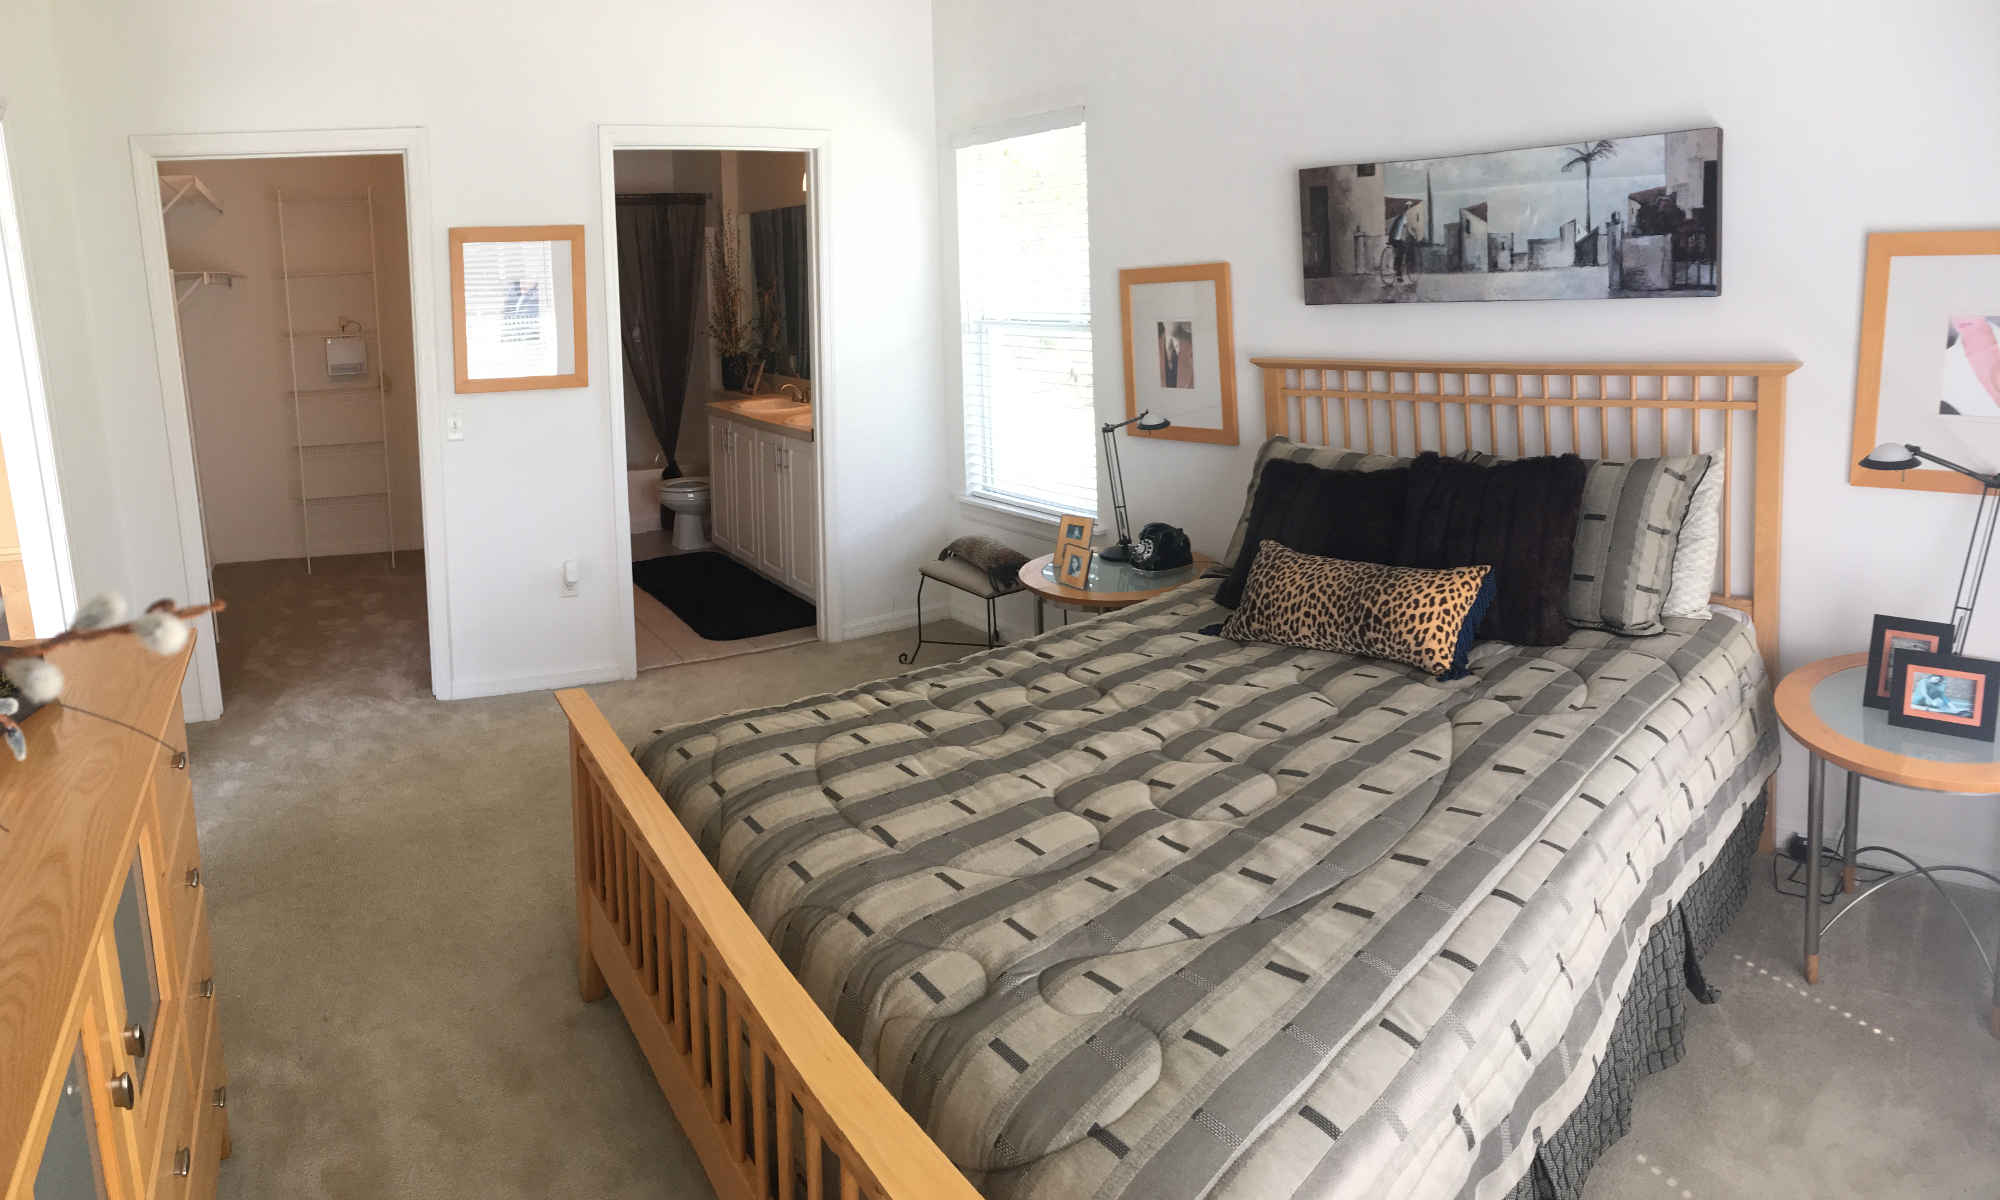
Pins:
<point x="1518" y="516"/>
<point x="1352" y="515"/>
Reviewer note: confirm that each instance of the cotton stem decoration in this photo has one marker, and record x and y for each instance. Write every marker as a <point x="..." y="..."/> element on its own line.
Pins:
<point x="162" y="629"/>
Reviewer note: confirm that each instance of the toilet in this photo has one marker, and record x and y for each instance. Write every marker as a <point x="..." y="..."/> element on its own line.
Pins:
<point x="687" y="499"/>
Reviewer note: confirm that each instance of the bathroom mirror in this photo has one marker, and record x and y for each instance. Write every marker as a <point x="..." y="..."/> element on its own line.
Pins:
<point x="779" y="262"/>
<point x="517" y="316"/>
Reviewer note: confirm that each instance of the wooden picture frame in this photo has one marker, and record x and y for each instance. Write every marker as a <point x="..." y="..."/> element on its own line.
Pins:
<point x="506" y="326"/>
<point x="1941" y="674"/>
<point x="1891" y="635"/>
<point x="1072" y="528"/>
<point x="1878" y="319"/>
<point x="1072" y="564"/>
<point x="1190" y="372"/>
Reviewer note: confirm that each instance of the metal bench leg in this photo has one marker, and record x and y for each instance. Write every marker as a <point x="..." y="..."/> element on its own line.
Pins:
<point x="911" y="657"/>
<point x="992" y="623"/>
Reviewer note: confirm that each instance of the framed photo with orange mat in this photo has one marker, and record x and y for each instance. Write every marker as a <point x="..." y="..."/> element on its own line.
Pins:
<point x="1073" y="564"/>
<point x="1945" y="693"/>
<point x="1893" y="634"/>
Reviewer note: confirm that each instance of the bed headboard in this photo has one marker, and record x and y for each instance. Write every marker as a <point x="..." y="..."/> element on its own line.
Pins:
<point x="1598" y="410"/>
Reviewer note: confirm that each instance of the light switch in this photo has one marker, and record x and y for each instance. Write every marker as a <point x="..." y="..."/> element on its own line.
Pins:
<point x="454" y="428"/>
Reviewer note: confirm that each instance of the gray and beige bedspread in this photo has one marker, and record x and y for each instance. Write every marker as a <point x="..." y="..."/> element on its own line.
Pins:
<point x="1128" y="910"/>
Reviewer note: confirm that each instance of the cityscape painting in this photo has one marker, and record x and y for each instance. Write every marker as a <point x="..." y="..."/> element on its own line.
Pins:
<point x="1613" y="218"/>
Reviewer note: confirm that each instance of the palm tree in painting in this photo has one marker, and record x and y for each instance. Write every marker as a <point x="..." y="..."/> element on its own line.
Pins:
<point x="1585" y="155"/>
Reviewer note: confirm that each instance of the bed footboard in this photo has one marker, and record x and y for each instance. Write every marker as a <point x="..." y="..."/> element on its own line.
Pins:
<point x="777" y="1104"/>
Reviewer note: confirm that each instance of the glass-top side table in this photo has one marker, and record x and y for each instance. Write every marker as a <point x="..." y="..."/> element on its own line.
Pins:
<point x="1109" y="586"/>
<point x="1820" y="704"/>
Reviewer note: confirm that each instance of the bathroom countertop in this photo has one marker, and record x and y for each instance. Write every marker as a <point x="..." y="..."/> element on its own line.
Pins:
<point x="793" y="420"/>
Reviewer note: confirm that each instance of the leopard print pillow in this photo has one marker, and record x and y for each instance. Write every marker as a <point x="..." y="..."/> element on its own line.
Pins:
<point x="1405" y="614"/>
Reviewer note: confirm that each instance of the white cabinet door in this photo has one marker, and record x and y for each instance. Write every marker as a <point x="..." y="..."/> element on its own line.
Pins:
<point x="772" y="549"/>
<point x="720" y="510"/>
<point x="801" y="520"/>
<point x="746" y="521"/>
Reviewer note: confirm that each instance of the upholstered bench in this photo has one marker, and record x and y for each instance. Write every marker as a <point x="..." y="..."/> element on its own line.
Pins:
<point x="957" y="573"/>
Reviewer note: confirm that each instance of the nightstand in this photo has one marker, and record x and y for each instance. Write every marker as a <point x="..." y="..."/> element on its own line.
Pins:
<point x="1821" y="705"/>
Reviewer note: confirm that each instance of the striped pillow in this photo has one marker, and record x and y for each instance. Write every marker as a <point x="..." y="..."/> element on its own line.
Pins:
<point x="1626" y="535"/>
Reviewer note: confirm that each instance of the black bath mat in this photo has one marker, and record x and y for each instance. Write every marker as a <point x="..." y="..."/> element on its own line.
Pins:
<point x="720" y="598"/>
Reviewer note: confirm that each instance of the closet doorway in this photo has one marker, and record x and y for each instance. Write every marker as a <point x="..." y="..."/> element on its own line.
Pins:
<point x="715" y="304"/>
<point x="293" y="321"/>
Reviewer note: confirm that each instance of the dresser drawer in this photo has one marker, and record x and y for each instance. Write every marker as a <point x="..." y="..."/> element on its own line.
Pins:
<point x="173" y="789"/>
<point x="197" y="996"/>
<point x="213" y="1127"/>
<point x="180" y="891"/>
<point x="173" y="1154"/>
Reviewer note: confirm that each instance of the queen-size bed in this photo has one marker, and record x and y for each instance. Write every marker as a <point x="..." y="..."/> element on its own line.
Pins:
<point x="1130" y="909"/>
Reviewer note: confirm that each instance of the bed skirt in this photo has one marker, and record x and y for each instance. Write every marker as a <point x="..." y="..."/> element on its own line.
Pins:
<point x="1648" y="1034"/>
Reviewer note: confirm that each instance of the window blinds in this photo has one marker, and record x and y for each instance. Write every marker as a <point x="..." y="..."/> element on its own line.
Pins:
<point x="1024" y="313"/>
<point x="510" y="314"/>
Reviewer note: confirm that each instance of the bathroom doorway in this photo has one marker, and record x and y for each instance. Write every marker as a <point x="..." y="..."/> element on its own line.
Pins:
<point x="715" y="306"/>
<point x="293" y="322"/>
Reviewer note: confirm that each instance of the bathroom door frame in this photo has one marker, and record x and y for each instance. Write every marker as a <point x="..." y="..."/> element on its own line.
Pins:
<point x="815" y="145"/>
<point x="412" y="145"/>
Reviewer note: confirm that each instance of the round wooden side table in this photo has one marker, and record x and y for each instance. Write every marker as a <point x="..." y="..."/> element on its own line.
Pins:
<point x="1111" y="585"/>
<point x="1821" y="705"/>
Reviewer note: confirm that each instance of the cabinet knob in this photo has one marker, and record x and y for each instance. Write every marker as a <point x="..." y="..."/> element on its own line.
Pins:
<point x="221" y="1097"/>
<point x="135" y="1040"/>
<point x="124" y="1093"/>
<point x="194" y="877"/>
<point x="205" y="990"/>
<point x="180" y="760"/>
<point x="183" y="1162"/>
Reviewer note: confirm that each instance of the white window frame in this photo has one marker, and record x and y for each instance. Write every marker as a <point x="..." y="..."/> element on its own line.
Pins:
<point x="1025" y="515"/>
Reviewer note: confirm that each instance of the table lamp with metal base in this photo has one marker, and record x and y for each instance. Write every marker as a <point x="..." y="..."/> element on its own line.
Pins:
<point x="1903" y="456"/>
<point x="1122" y="552"/>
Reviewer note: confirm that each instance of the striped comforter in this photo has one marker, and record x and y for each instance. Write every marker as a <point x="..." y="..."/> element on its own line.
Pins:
<point x="1127" y="910"/>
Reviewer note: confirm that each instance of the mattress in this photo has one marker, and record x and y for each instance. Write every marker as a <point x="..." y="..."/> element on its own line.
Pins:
<point x="1130" y="910"/>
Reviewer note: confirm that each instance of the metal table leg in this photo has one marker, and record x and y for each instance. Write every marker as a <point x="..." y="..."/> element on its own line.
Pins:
<point x="1815" y="828"/>
<point x="1853" y="830"/>
<point x="1038" y="613"/>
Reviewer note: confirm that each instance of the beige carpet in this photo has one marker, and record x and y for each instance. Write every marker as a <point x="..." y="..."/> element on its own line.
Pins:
<point x="391" y="898"/>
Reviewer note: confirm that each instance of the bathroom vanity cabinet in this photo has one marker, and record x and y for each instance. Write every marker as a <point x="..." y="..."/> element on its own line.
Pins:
<point x="112" y="1083"/>
<point x="763" y="497"/>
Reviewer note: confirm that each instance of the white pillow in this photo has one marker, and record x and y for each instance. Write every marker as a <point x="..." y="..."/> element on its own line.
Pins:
<point x="1693" y="579"/>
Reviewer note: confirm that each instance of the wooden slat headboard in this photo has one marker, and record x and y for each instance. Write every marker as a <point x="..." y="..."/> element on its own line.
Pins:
<point x="1598" y="410"/>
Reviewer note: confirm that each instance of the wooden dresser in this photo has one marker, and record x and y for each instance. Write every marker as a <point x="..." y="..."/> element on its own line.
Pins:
<point x="112" y="1084"/>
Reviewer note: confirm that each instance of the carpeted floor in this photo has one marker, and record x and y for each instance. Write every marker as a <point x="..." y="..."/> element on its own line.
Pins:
<point x="390" y="891"/>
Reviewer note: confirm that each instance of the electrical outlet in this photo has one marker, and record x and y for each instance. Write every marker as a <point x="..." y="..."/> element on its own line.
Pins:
<point x="569" y="580"/>
<point x="454" y="428"/>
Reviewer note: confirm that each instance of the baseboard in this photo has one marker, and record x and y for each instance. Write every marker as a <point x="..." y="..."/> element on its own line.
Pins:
<point x="472" y="689"/>
<point x="902" y="618"/>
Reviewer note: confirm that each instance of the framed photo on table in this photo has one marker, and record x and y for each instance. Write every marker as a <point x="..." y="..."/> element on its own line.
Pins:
<point x="1929" y="370"/>
<point x="1076" y="529"/>
<point x="1180" y="351"/>
<point x="1893" y="634"/>
<point x="1945" y="693"/>
<point x="1072" y="563"/>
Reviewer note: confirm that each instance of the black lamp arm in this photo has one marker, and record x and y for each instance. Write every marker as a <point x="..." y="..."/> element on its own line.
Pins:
<point x="1989" y="479"/>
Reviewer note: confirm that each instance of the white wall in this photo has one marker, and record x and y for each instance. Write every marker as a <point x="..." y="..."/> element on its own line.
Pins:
<point x="509" y="100"/>
<point x="233" y="343"/>
<point x="1838" y="119"/>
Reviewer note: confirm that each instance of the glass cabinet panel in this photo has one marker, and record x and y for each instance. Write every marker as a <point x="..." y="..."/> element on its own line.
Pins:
<point x="132" y="932"/>
<point x="70" y="1168"/>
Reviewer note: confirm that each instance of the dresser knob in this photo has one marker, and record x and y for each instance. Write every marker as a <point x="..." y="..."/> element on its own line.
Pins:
<point x="194" y="877"/>
<point x="183" y="1162"/>
<point x="180" y="760"/>
<point x="205" y="990"/>
<point x="221" y="1097"/>
<point x="135" y="1040"/>
<point x="123" y="1092"/>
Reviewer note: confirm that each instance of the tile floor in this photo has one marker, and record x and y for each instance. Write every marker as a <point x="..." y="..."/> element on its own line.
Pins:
<point x="664" y="640"/>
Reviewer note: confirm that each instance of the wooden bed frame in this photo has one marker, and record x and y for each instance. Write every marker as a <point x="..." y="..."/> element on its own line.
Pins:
<point x="775" y="1101"/>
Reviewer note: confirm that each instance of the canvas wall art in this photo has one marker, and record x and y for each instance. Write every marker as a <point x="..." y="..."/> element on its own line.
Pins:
<point x="1614" y="218"/>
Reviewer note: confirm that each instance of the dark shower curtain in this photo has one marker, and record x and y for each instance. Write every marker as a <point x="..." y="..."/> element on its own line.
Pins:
<point x="778" y="255"/>
<point x="659" y="289"/>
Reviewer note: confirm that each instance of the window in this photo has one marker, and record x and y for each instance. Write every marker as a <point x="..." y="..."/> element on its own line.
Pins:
<point x="1024" y="319"/>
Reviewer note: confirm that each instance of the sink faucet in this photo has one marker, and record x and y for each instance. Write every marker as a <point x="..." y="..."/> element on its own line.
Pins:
<point x="794" y="391"/>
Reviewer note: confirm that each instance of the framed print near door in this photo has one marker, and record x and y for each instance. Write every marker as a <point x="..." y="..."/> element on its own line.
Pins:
<point x="517" y="315"/>
<point x="1180" y="351"/>
<point x="1929" y="371"/>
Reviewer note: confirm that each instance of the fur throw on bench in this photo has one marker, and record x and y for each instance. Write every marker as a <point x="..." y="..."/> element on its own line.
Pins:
<point x="1001" y="563"/>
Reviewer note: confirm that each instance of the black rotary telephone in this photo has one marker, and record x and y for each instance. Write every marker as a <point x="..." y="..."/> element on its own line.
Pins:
<point x="1161" y="547"/>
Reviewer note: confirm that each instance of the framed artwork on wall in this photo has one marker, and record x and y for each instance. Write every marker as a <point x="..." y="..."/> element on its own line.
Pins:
<point x="1929" y="369"/>
<point x="1180" y="351"/>
<point x="517" y="308"/>
<point x="1604" y="219"/>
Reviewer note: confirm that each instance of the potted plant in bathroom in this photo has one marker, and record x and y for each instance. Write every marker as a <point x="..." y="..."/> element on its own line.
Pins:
<point x="728" y="327"/>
